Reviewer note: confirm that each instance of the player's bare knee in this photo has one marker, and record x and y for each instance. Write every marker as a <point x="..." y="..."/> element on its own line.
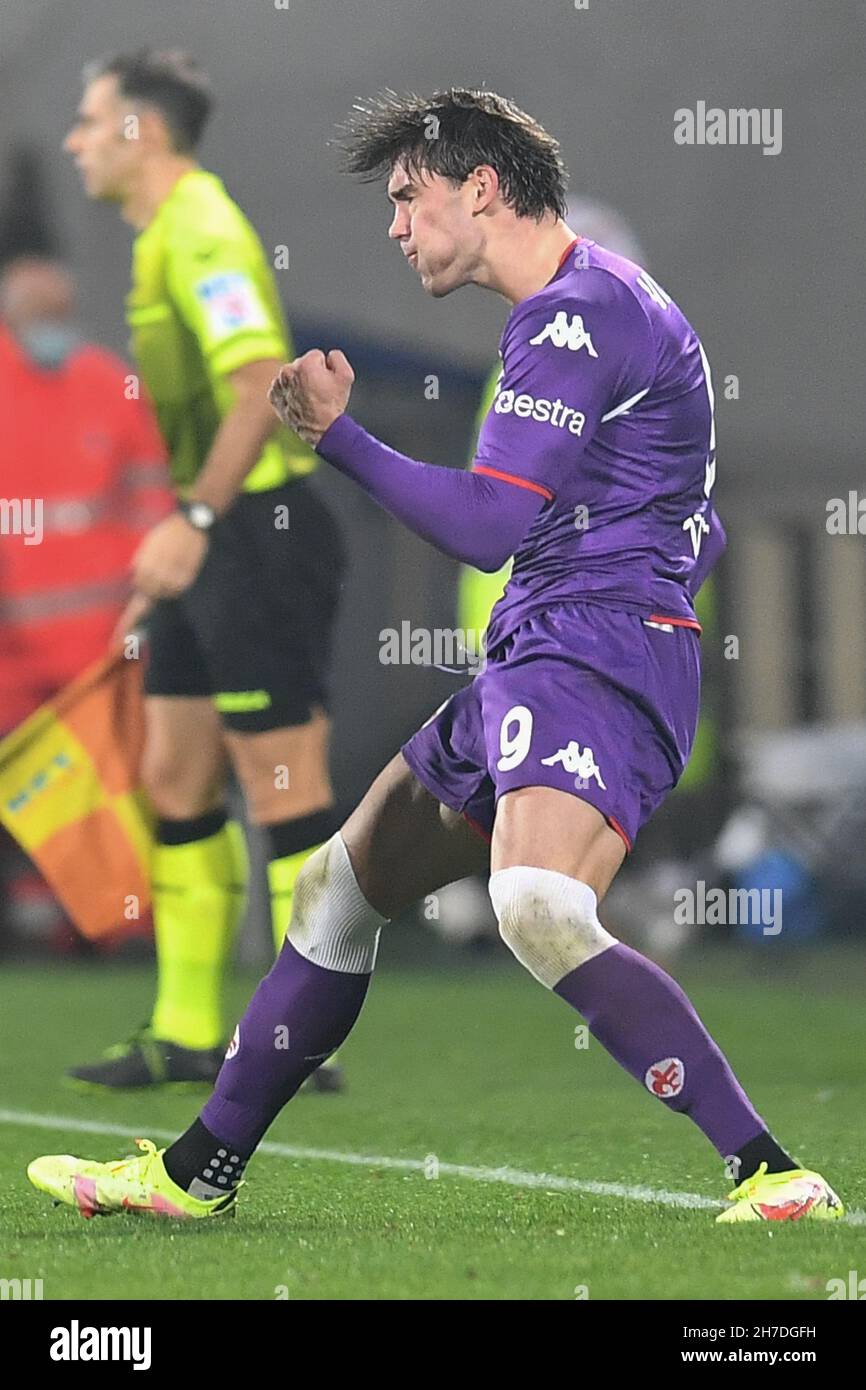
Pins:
<point x="333" y="925"/>
<point x="548" y="920"/>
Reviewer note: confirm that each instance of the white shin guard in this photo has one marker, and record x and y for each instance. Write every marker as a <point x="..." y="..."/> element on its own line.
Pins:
<point x="548" y="920"/>
<point x="332" y="923"/>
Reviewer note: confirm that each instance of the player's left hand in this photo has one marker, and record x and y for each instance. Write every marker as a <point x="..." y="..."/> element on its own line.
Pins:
<point x="169" y="558"/>
<point x="310" y="393"/>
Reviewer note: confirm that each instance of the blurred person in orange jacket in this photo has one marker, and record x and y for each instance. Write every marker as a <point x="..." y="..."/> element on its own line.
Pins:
<point x="83" y="478"/>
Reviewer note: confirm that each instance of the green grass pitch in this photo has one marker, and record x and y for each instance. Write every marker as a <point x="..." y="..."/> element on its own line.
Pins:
<point x="473" y="1064"/>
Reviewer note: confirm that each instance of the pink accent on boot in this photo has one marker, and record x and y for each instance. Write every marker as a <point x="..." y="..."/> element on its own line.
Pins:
<point x="159" y="1206"/>
<point x="85" y="1195"/>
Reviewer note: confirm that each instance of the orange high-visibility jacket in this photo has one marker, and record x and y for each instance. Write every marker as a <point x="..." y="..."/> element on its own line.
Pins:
<point x="82" y="477"/>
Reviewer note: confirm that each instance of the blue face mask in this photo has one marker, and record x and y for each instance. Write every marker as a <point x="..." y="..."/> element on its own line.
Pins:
<point x="49" y="342"/>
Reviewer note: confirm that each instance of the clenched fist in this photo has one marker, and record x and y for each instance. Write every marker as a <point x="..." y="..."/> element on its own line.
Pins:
<point x="310" y="393"/>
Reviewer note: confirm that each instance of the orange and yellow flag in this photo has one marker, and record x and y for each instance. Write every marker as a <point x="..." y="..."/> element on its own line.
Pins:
<point x="70" y="795"/>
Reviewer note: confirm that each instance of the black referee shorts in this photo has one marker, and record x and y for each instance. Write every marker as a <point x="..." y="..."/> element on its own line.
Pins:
<point x="254" y="631"/>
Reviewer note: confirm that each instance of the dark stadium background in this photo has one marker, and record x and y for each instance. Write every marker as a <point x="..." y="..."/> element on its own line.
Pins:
<point x="760" y="251"/>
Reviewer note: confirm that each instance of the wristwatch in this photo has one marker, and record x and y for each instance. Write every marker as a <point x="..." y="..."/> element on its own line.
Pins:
<point x="198" y="514"/>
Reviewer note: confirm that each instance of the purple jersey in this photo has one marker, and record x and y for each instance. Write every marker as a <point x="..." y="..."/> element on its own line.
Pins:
<point x="604" y="408"/>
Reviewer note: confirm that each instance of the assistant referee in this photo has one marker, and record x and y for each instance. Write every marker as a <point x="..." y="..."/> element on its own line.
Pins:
<point x="240" y="584"/>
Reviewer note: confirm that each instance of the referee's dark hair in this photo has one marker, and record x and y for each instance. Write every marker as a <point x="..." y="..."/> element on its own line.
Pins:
<point x="450" y="133"/>
<point x="171" y="81"/>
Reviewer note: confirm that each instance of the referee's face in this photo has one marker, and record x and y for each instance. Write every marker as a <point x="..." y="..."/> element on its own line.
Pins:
<point x="104" y="141"/>
<point x="434" y="228"/>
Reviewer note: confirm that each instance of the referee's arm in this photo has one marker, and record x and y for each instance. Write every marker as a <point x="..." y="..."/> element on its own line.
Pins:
<point x="171" y="554"/>
<point x="242" y="434"/>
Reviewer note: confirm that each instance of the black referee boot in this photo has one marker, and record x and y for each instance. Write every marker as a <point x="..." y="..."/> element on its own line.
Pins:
<point x="145" y="1061"/>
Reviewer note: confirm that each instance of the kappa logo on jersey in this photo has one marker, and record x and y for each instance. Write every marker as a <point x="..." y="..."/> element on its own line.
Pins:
<point x="563" y="332"/>
<point x="231" y="302"/>
<point x="235" y="1043"/>
<point x="666" y="1078"/>
<point x="580" y="763"/>
<point x="539" y="408"/>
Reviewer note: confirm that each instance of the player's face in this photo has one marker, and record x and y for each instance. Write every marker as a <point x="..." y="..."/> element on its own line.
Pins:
<point x="434" y="227"/>
<point x="103" y="142"/>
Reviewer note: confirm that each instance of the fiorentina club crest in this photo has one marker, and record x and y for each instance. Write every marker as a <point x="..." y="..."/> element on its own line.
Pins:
<point x="234" y="1044"/>
<point x="666" y="1078"/>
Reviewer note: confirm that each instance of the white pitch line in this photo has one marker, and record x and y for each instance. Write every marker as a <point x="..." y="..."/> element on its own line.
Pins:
<point x="511" y="1177"/>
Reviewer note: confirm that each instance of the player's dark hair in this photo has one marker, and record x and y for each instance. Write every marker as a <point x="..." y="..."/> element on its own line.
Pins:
<point x="451" y="133"/>
<point x="171" y="81"/>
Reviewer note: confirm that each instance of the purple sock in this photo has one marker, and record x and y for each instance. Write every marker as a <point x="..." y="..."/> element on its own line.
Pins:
<point x="298" y="1016"/>
<point x="647" y="1024"/>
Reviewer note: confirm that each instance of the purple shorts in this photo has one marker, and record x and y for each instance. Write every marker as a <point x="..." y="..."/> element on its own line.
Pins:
<point x="583" y="698"/>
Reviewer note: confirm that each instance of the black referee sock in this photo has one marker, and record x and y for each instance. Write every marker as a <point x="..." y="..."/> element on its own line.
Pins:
<point x="186" y="832"/>
<point x="288" y="837"/>
<point x="203" y="1165"/>
<point x="763" y="1149"/>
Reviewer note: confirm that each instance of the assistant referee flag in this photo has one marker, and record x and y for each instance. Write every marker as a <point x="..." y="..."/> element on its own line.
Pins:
<point x="70" y="795"/>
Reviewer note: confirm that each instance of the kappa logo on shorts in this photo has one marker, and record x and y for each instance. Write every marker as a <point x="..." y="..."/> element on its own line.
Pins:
<point x="666" y="1078"/>
<point x="235" y="1043"/>
<point x="581" y="764"/>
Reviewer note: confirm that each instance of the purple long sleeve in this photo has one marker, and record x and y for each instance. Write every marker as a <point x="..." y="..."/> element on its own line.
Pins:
<point x="469" y="516"/>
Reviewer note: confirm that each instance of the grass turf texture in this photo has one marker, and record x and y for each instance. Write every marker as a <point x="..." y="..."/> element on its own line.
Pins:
<point x="475" y="1065"/>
